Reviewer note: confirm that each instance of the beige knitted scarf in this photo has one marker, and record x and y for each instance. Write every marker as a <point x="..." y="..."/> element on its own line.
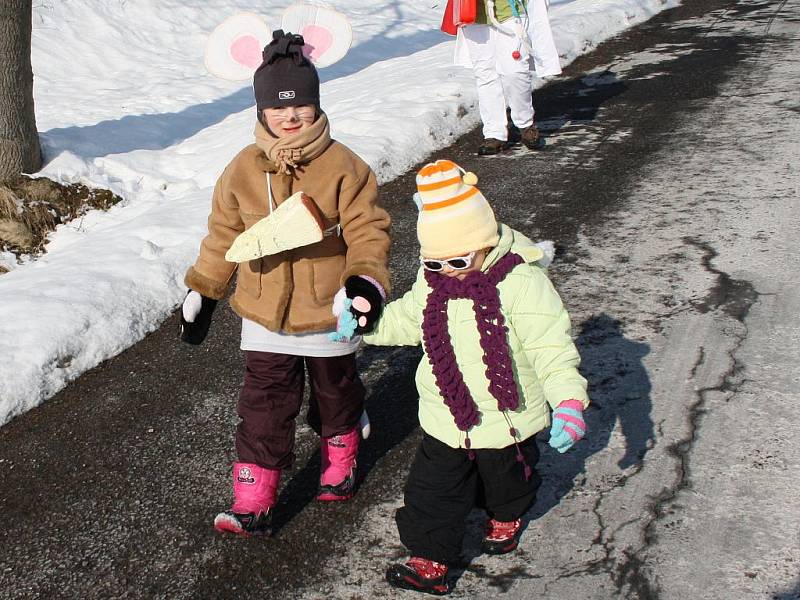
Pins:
<point x="286" y="153"/>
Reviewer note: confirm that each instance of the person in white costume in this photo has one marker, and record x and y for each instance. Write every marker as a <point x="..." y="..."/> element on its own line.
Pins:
<point x="509" y="40"/>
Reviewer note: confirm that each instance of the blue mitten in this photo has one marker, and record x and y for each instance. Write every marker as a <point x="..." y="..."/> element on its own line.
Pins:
<point x="568" y="425"/>
<point x="357" y="307"/>
<point x="346" y="322"/>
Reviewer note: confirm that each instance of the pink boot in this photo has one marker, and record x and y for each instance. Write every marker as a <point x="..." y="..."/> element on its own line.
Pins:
<point x="254" y="492"/>
<point x="338" y="465"/>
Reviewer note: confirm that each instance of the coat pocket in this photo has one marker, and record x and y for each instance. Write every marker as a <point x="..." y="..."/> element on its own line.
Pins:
<point x="249" y="278"/>
<point x="325" y="275"/>
<point x="318" y="269"/>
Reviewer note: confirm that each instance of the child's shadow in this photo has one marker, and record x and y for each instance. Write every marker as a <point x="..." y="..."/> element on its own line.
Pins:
<point x="793" y="594"/>
<point x="619" y="388"/>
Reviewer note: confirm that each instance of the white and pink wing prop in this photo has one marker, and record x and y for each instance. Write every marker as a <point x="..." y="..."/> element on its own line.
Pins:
<point x="233" y="50"/>
<point x="326" y="32"/>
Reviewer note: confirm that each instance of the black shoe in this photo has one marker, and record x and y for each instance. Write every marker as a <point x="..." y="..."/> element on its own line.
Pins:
<point x="419" y="575"/>
<point x="244" y="524"/>
<point x="342" y="491"/>
<point x="531" y="138"/>
<point x="491" y="146"/>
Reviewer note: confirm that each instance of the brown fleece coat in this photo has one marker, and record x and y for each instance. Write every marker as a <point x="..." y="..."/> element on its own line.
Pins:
<point x="293" y="291"/>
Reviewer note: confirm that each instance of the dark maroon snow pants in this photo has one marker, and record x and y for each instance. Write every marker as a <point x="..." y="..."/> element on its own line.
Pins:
<point x="272" y="396"/>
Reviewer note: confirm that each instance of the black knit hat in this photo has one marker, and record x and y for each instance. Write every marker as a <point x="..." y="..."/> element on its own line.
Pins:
<point x="286" y="77"/>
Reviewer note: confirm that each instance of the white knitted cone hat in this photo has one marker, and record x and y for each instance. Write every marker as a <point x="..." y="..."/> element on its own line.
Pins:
<point x="454" y="217"/>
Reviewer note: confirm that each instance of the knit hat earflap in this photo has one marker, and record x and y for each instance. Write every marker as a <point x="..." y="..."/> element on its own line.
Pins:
<point x="286" y="76"/>
<point x="454" y="216"/>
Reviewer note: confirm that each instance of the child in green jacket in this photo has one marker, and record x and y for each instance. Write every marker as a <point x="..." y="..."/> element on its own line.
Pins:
<point x="498" y="358"/>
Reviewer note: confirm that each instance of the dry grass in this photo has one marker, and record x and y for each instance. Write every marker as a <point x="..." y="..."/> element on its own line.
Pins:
<point x="31" y="208"/>
<point x="8" y="206"/>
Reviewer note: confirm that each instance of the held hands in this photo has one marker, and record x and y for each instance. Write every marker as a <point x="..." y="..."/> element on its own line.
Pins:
<point x="196" y="317"/>
<point x="367" y="301"/>
<point x="358" y="306"/>
<point x="346" y="322"/>
<point x="568" y="425"/>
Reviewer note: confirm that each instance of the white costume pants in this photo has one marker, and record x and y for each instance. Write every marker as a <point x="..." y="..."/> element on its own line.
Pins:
<point x="502" y="81"/>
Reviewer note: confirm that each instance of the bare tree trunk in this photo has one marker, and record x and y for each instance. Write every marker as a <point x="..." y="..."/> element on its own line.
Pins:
<point x="19" y="140"/>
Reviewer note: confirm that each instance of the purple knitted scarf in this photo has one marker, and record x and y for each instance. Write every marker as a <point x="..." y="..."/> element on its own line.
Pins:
<point x="481" y="288"/>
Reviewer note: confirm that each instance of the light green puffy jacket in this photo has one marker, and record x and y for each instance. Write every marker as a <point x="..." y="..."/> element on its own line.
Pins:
<point x="502" y="10"/>
<point x="544" y="357"/>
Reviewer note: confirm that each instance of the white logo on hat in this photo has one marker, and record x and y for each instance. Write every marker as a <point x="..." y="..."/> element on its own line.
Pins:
<point x="286" y="95"/>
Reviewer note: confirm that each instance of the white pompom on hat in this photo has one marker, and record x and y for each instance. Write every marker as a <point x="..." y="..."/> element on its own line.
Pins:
<point x="454" y="216"/>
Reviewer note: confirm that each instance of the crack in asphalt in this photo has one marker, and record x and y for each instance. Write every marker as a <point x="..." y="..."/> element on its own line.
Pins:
<point x="733" y="298"/>
<point x="771" y="21"/>
<point x="626" y="572"/>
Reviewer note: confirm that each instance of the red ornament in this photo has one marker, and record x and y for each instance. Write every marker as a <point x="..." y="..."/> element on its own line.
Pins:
<point x="515" y="55"/>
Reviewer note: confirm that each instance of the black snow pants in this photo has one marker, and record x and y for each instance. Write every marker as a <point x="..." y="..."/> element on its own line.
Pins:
<point x="444" y="485"/>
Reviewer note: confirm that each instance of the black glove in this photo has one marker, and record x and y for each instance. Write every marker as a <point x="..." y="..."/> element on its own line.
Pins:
<point x="366" y="313"/>
<point x="195" y="328"/>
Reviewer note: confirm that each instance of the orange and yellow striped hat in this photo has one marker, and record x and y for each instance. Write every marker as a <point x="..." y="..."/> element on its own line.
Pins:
<point x="454" y="216"/>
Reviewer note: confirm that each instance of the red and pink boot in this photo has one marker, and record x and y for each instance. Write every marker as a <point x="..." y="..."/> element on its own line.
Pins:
<point x="338" y="466"/>
<point x="500" y="537"/>
<point x="254" y="492"/>
<point x="420" y="575"/>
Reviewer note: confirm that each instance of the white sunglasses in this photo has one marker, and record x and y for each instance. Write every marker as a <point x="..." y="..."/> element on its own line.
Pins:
<point x="457" y="263"/>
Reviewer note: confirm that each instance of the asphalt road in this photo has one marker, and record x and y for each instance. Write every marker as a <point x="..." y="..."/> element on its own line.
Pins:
<point x="109" y="489"/>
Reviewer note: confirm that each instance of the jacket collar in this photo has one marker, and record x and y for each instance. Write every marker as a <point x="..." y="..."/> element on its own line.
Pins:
<point x="512" y="241"/>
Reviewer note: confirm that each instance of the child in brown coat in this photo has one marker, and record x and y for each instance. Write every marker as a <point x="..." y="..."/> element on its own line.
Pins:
<point x="285" y="299"/>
